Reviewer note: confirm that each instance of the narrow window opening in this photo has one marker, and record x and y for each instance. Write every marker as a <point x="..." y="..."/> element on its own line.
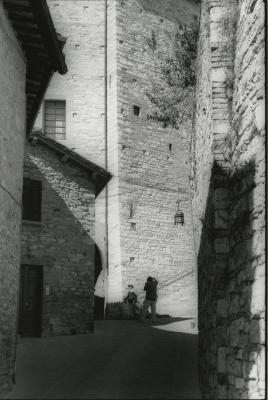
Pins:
<point x="131" y="211"/>
<point x="31" y="200"/>
<point x="170" y="146"/>
<point x="136" y="110"/>
<point x="133" y="226"/>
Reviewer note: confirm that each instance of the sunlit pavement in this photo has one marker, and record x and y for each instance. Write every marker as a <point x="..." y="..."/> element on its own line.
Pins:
<point x="121" y="360"/>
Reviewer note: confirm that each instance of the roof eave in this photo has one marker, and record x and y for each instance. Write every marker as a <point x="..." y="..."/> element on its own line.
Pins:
<point x="102" y="177"/>
<point x="45" y="23"/>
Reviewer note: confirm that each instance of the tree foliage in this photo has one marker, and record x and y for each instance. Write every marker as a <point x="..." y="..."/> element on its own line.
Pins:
<point x="174" y="100"/>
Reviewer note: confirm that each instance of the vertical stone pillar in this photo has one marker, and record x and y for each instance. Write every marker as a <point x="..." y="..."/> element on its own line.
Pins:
<point x="222" y="17"/>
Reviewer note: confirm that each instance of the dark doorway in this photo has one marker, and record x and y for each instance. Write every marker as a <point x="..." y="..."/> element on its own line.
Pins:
<point x="98" y="301"/>
<point x="31" y="296"/>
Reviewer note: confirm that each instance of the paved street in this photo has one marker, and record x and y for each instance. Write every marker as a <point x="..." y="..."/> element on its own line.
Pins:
<point x="121" y="360"/>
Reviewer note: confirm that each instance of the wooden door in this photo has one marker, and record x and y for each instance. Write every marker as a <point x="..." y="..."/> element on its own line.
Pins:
<point x="31" y="296"/>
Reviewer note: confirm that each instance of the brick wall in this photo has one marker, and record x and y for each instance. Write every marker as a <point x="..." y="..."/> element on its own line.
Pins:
<point x="231" y="210"/>
<point x="153" y="162"/>
<point x="63" y="243"/>
<point x="12" y="138"/>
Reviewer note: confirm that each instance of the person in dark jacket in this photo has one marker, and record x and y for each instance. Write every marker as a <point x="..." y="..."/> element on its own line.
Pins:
<point x="150" y="298"/>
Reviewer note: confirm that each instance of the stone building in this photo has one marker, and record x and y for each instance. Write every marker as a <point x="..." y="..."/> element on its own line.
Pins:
<point x="228" y="186"/>
<point x="115" y="60"/>
<point x="57" y="236"/>
<point x="30" y="52"/>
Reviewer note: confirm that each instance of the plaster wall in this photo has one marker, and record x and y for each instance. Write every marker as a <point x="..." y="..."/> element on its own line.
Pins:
<point x="12" y="142"/>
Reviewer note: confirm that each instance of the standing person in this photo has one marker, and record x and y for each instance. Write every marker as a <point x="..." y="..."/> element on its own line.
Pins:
<point x="131" y="299"/>
<point x="150" y="298"/>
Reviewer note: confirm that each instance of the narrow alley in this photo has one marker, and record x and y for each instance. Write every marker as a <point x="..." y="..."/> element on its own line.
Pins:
<point x="121" y="360"/>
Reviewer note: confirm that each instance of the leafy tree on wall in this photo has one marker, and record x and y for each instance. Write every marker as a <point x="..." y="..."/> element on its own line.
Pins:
<point x="173" y="102"/>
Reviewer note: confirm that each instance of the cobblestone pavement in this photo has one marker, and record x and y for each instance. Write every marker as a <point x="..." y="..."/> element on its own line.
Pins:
<point x="121" y="360"/>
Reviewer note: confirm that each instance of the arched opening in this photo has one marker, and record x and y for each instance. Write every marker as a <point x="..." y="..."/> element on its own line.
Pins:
<point x="99" y="286"/>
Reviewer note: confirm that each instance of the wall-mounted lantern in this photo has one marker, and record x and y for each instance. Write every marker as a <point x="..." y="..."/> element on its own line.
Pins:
<point x="179" y="216"/>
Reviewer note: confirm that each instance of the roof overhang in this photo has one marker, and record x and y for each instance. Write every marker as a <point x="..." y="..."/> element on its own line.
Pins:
<point x="42" y="46"/>
<point x="97" y="175"/>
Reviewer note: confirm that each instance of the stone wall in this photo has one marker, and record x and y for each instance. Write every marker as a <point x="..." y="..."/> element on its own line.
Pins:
<point x="247" y="219"/>
<point x="231" y="273"/>
<point x="63" y="243"/>
<point x="153" y="161"/>
<point x="81" y="22"/>
<point x="83" y="87"/>
<point x="149" y="163"/>
<point x="12" y="141"/>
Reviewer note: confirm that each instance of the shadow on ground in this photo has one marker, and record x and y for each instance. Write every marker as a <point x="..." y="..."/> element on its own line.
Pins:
<point x="122" y="360"/>
<point x="166" y="320"/>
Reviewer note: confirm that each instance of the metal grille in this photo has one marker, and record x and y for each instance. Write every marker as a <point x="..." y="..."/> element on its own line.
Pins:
<point x="55" y="119"/>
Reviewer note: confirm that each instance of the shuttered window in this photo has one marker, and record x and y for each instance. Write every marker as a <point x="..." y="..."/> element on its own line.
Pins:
<point x="55" y="119"/>
<point x="31" y="200"/>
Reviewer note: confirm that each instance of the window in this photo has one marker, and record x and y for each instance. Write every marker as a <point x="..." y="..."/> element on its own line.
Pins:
<point x="55" y="119"/>
<point x="31" y="200"/>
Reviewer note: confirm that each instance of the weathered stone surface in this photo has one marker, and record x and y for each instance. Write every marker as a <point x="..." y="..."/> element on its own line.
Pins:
<point x="12" y="143"/>
<point x="235" y="201"/>
<point x="222" y="245"/>
<point x="222" y="359"/>
<point x="222" y="307"/>
<point x="148" y="161"/>
<point x="239" y="383"/>
<point x="63" y="242"/>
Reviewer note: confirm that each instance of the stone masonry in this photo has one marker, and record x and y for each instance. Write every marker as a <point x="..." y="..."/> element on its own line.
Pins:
<point x="149" y="163"/>
<point x="229" y="213"/>
<point x="63" y="242"/>
<point x="153" y="161"/>
<point x="81" y="22"/>
<point x="12" y="139"/>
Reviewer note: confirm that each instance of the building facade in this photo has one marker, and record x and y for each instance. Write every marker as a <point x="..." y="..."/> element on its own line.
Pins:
<point x="27" y="63"/>
<point x="115" y="65"/>
<point x="57" y="240"/>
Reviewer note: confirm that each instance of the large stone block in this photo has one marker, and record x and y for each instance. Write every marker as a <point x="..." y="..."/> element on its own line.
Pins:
<point x="222" y="245"/>
<point x="222" y="307"/>
<point x="222" y="359"/>
<point x="221" y="220"/>
<point x="239" y="383"/>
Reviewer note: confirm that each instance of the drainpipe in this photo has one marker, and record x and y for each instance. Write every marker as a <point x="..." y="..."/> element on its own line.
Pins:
<point x="106" y="152"/>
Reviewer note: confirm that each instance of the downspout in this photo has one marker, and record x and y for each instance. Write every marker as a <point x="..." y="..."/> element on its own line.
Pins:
<point x="106" y="153"/>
